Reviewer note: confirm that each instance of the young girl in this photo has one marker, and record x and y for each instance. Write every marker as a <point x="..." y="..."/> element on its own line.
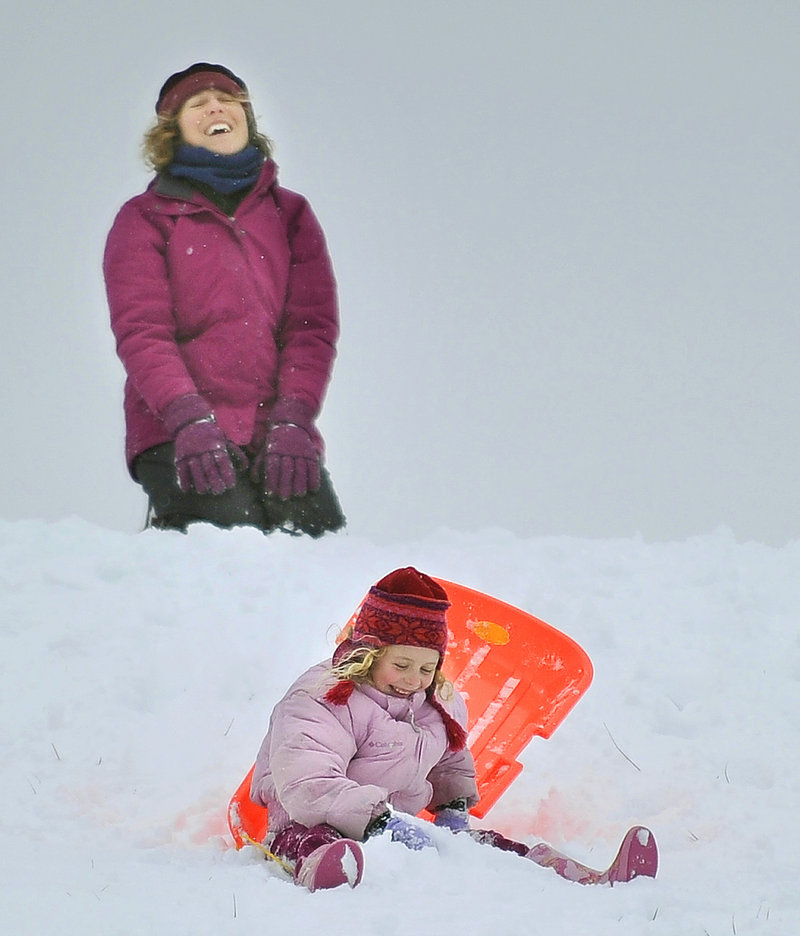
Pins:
<point x="224" y="307"/>
<point x="361" y="744"/>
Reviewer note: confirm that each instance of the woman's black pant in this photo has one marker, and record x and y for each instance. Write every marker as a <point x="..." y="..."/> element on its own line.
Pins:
<point x="243" y="505"/>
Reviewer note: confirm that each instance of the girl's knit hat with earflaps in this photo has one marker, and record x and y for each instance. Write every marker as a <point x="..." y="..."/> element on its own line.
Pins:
<point x="405" y="608"/>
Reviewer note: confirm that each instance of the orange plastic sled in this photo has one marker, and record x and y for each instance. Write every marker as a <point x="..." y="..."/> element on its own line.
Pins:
<point x="520" y="677"/>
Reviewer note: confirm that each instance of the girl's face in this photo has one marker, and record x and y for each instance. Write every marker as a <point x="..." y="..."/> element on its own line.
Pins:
<point x="214" y="120"/>
<point x="402" y="671"/>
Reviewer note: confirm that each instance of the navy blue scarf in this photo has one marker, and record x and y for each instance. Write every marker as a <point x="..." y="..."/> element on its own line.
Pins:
<point x="224" y="174"/>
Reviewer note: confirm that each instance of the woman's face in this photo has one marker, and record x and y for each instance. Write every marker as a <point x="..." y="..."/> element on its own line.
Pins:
<point x="402" y="671"/>
<point x="214" y="120"/>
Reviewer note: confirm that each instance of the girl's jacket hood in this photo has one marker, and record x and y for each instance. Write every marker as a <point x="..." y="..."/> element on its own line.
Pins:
<point x="343" y="764"/>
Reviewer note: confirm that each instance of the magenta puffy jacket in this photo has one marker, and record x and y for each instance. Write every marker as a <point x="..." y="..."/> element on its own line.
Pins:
<point x="241" y="310"/>
<point x="342" y="764"/>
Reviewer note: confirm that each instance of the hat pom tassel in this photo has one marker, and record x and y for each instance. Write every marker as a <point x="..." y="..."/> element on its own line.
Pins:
<point x="340" y="692"/>
<point x="456" y="736"/>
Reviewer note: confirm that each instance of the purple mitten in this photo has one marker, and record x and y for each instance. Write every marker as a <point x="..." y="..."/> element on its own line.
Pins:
<point x="202" y="460"/>
<point x="292" y="462"/>
<point x="288" y="464"/>
<point x="453" y="816"/>
<point x="408" y="834"/>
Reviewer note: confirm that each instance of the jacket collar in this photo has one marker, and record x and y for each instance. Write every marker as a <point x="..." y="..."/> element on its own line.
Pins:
<point x="394" y="705"/>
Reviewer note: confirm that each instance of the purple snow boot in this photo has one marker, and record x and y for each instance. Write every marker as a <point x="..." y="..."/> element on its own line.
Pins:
<point x="637" y="857"/>
<point x="339" y="862"/>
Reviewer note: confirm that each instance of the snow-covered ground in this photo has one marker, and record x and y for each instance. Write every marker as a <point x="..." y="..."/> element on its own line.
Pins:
<point x="138" y="672"/>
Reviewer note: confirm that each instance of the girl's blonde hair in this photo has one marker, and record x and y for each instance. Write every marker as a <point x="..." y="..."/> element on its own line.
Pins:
<point x="357" y="666"/>
<point x="163" y="138"/>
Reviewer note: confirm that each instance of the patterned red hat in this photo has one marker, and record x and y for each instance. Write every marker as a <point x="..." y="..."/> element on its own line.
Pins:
<point x="405" y="608"/>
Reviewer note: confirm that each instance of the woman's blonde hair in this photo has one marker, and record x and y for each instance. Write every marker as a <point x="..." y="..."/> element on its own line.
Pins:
<point x="163" y="138"/>
<point x="357" y="666"/>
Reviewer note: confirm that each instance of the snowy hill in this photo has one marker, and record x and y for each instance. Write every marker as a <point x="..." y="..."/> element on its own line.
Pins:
<point x="138" y="672"/>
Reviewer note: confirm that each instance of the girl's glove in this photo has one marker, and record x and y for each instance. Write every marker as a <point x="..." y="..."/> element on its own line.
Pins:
<point x="401" y="830"/>
<point x="453" y="816"/>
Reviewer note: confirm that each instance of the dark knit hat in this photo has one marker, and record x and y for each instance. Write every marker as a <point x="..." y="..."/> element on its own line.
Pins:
<point x="201" y="76"/>
<point x="405" y="608"/>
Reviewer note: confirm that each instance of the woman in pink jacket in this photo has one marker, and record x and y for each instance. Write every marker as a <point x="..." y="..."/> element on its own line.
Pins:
<point x="224" y="307"/>
<point x="361" y="744"/>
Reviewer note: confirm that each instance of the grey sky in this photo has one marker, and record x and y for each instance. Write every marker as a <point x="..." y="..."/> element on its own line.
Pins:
<point x="565" y="235"/>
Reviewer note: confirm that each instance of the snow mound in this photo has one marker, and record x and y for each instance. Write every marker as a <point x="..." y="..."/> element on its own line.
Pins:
<point x="138" y="673"/>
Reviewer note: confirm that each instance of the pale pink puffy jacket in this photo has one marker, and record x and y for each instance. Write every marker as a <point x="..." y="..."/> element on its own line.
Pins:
<point x="342" y="764"/>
